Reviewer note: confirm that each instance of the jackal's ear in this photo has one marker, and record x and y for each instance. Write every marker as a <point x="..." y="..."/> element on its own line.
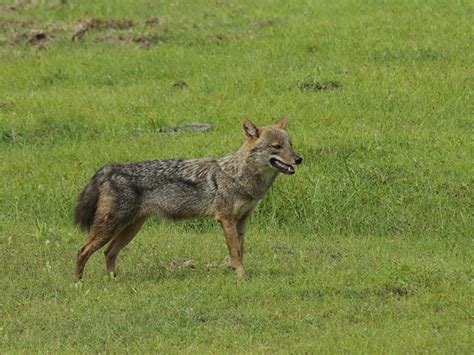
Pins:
<point x="251" y="131"/>
<point x="281" y="123"/>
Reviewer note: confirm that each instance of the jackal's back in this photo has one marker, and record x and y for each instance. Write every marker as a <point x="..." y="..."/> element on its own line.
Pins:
<point x="171" y="188"/>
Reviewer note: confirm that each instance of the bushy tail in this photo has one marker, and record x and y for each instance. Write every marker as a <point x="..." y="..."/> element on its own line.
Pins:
<point x="87" y="204"/>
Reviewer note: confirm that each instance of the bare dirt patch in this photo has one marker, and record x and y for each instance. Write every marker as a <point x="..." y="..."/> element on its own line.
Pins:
<point x="395" y="292"/>
<point x="215" y="39"/>
<point x="11" y="24"/>
<point x="29" y="31"/>
<point x="326" y="251"/>
<point x="19" y="5"/>
<point x="189" y="127"/>
<point x="316" y="86"/>
<point x="180" y="264"/>
<point x="154" y="21"/>
<point x="38" y="38"/>
<point x="41" y="34"/>
<point x="143" y="41"/>
<point x="6" y="8"/>
<point x="263" y="23"/>
<point x="99" y="24"/>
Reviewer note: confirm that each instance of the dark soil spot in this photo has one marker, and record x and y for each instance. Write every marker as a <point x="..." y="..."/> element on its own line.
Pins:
<point x="10" y="137"/>
<point x="180" y="84"/>
<point x="315" y="86"/>
<point x="153" y="21"/>
<point x="312" y="49"/>
<point x="142" y="40"/>
<point x="215" y="39"/>
<point x="202" y="319"/>
<point x="36" y="36"/>
<point x="395" y="292"/>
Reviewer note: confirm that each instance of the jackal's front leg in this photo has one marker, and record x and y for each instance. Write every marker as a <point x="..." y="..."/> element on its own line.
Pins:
<point x="241" y="226"/>
<point x="232" y="239"/>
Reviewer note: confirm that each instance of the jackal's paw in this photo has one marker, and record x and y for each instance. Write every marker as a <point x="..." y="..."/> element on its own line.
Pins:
<point x="239" y="271"/>
<point x="227" y="262"/>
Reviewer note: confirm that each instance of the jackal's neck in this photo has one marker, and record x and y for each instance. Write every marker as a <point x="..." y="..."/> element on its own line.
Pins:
<point x="249" y="174"/>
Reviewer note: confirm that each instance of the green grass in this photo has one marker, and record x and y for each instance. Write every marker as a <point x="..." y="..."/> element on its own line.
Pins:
<point x="367" y="249"/>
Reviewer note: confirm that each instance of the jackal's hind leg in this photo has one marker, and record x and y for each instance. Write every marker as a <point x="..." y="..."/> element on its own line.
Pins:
<point x="97" y="239"/>
<point x="105" y="227"/>
<point x="120" y="242"/>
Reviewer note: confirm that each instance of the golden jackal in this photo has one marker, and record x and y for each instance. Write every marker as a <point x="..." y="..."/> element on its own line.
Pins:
<point x="119" y="197"/>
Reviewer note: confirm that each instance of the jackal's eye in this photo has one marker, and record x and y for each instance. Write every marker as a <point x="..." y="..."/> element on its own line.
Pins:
<point x="277" y="146"/>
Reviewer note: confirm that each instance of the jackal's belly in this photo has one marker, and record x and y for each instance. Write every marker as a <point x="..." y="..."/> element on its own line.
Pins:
<point x="178" y="202"/>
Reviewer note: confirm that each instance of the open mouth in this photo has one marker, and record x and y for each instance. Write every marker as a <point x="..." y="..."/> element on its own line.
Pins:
<point x="282" y="167"/>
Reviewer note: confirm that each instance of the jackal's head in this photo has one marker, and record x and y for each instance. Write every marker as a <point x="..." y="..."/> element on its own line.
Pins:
<point x="270" y="146"/>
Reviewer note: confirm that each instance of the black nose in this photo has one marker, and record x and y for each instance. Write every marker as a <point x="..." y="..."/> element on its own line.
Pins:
<point x="298" y="160"/>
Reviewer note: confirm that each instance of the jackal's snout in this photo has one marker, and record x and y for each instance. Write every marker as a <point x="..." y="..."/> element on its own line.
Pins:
<point x="286" y="164"/>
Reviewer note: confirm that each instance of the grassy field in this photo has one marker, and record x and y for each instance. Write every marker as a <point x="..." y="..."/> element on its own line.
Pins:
<point x="367" y="249"/>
